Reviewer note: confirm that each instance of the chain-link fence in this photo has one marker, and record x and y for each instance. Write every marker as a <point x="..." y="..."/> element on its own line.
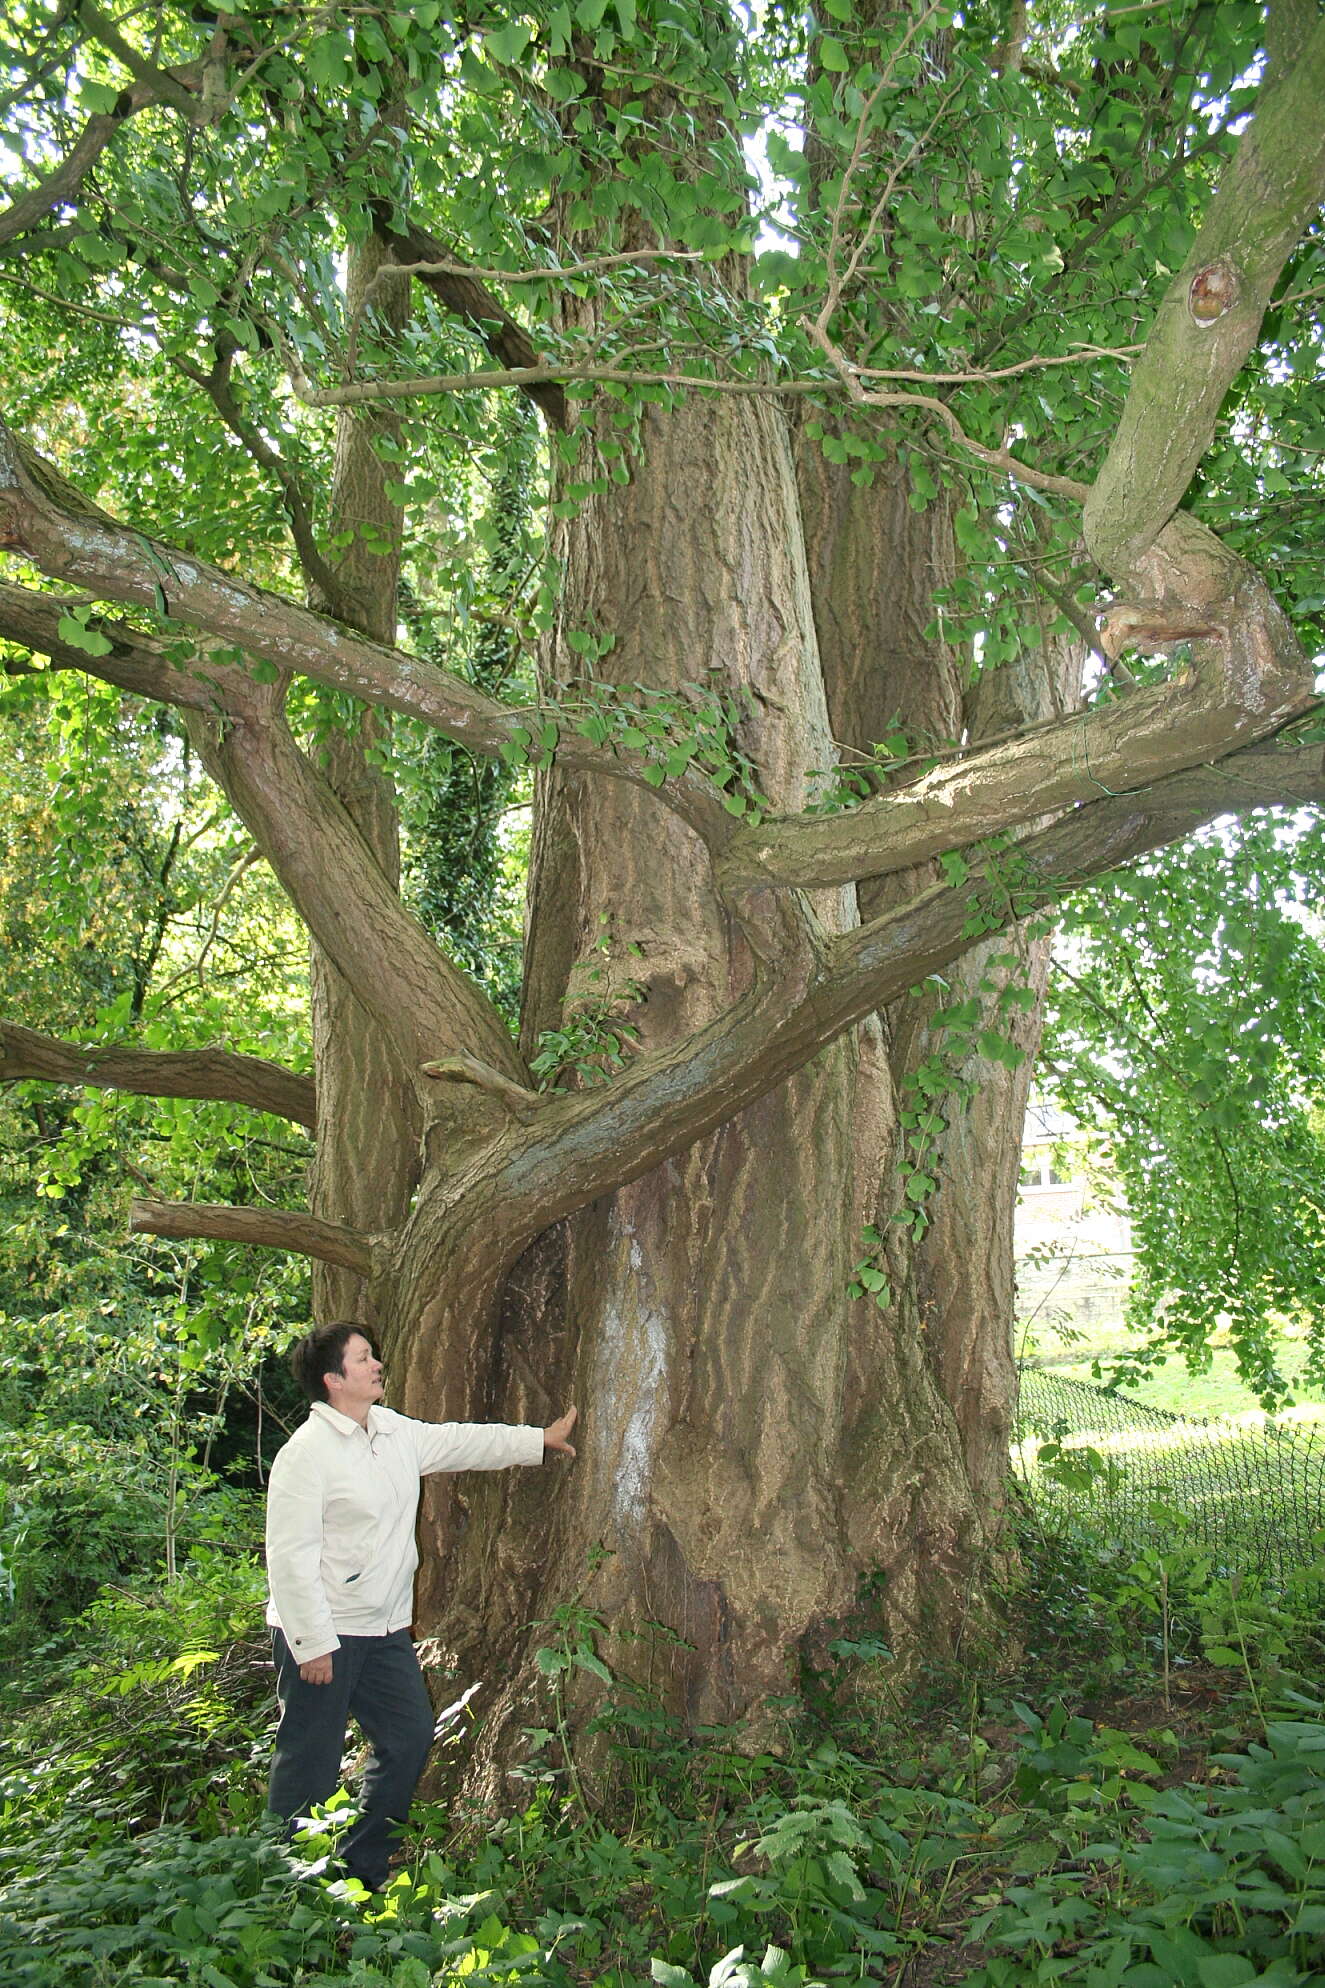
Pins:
<point x="1251" y="1493"/>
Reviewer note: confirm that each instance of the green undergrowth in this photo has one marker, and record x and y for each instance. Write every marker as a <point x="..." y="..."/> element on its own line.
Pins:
<point x="1133" y="1794"/>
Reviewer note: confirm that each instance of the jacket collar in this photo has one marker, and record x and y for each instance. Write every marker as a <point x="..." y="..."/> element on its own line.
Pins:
<point x="345" y="1425"/>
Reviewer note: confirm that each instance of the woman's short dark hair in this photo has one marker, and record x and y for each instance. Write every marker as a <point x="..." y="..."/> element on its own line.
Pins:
<point x="321" y="1352"/>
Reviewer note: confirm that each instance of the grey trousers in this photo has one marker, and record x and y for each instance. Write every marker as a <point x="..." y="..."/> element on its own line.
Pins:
<point x="376" y="1680"/>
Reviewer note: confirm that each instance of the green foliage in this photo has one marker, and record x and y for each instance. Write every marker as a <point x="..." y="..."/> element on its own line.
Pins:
<point x="152" y="1708"/>
<point x="870" y="1275"/>
<point x="131" y="907"/>
<point x="1006" y="187"/>
<point x="597" y="1036"/>
<point x="1046" y="1844"/>
<point x="1225" y="1885"/>
<point x="674" y="731"/>
<point x="133" y="1373"/>
<point x="1186" y="1027"/>
<point x="106" y="1432"/>
<point x="858" y="778"/>
<point x="237" y="1911"/>
<point x="594" y="1041"/>
<point x="1160" y="1584"/>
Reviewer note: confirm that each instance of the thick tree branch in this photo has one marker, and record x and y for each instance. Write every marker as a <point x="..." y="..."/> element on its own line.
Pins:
<point x="465" y="296"/>
<point x="269" y="1228"/>
<point x="137" y="661"/>
<point x="1126" y="826"/>
<point x="177" y="86"/>
<point x="215" y="1074"/>
<point x="420" y="999"/>
<point x="593" y="1142"/>
<point x="1248" y="683"/>
<point x="45" y="517"/>
<point x="165" y="84"/>
<point x="1211" y="315"/>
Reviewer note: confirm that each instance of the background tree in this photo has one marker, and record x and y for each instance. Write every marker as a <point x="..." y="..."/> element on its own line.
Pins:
<point x="1185" y="1029"/>
<point x="802" y="683"/>
<point x="130" y="902"/>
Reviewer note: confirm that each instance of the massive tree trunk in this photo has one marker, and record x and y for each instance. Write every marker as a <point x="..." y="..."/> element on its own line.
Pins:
<point x="935" y="1346"/>
<point x="700" y="1314"/>
<point x="760" y="1447"/>
<point x="878" y="566"/>
<point x="761" y="1451"/>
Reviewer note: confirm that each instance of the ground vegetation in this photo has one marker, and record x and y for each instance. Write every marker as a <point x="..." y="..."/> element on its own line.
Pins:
<point x="1135" y="1797"/>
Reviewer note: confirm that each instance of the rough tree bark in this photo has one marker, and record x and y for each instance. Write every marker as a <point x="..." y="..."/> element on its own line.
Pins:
<point x="367" y="1157"/>
<point x="876" y="567"/>
<point x="707" y="1299"/>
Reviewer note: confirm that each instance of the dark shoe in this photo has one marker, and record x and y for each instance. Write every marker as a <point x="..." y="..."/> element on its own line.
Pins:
<point x="378" y="1882"/>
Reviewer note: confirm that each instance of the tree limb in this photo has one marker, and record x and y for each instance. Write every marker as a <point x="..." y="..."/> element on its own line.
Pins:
<point x="1250" y="681"/>
<point x="269" y="1228"/>
<point x="1000" y="459"/>
<point x="592" y="1142"/>
<point x="218" y="385"/>
<point x="137" y="661"/>
<point x="216" y="1074"/>
<point x="165" y="84"/>
<point x="465" y="1069"/>
<point x="46" y="518"/>
<point x="63" y="181"/>
<point x="463" y="294"/>
<point x="420" y="998"/>
<point x="1211" y="314"/>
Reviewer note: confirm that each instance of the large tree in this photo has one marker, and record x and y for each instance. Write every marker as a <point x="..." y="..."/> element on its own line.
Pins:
<point x="900" y="572"/>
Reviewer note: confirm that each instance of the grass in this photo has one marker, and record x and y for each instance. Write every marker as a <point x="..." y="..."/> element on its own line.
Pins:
<point x="1248" y="1492"/>
<point x="1216" y="1391"/>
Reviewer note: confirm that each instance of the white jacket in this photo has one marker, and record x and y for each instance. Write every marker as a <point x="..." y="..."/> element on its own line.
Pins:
<point x="341" y="1507"/>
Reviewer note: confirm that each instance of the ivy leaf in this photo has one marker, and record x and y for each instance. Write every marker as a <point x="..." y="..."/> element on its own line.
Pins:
<point x="999" y="1050"/>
